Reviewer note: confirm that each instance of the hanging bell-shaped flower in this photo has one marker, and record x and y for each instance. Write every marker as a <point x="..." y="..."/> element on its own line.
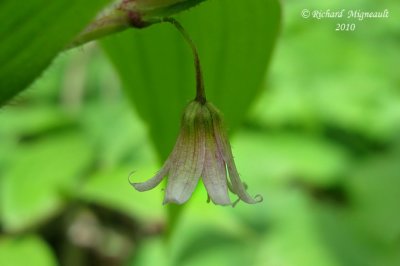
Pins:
<point x="202" y="151"/>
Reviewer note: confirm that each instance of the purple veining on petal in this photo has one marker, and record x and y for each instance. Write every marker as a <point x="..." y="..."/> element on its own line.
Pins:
<point x="169" y="164"/>
<point x="184" y="178"/>
<point x="178" y="168"/>
<point x="202" y="150"/>
<point x="152" y="182"/>
<point x="225" y="148"/>
<point x="214" y="171"/>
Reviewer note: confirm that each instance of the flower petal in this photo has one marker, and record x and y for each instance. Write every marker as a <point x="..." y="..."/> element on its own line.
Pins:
<point x="214" y="173"/>
<point x="185" y="173"/>
<point x="152" y="182"/>
<point x="171" y="160"/>
<point x="225" y="149"/>
<point x="238" y="187"/>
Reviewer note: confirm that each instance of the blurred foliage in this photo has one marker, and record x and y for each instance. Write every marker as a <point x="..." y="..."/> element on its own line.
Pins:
<point x="160" y="79"/>
<point x="320" y="144"/>
<point x="33" y="34"/>
<point x="28" y="250"/>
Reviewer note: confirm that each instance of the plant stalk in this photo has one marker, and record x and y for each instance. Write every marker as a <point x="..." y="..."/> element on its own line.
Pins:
<point x="200" y="91"/>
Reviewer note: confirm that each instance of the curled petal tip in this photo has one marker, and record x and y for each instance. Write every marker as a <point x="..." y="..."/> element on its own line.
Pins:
<point x="250" y="200"/>
<point x="149" y="184"/>
<point x="137" y="186"/>
<point x="202" y="151"/>
<point x="258" y="198"/>
<point x="129" y="177"/>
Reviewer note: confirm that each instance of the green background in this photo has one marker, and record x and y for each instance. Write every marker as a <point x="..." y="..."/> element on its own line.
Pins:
<point x="316" y="133"/>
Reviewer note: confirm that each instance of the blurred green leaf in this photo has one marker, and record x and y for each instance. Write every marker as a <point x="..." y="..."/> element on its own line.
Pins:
<point x="375" y="190"/>
<point x="352" y="88"/>
<point x="206" y="232"/>
<point x="293" y="240"/>
<point x="152" y="251"/>
<point x="100" y="188"/>
<point x="235" y="40"/>
<point x="266" y="158"/>
<point x="42" y="174"/>
<point x="366" y="233"/>
<point x="345" y="236"/>
<point x="124" y="139"/>
<point x="19" y="122"/>
<point x="229" y="253"/>
<point x="199" y="250"/>
<point x="33" y="33"/>
<point x="28" y="250"/>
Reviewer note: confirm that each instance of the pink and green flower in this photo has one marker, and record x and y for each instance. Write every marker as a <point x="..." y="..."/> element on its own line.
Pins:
<point x="202" y="151"/>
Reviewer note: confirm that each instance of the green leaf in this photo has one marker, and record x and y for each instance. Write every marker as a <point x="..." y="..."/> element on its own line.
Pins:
<point x="29" y="250"/>
<point x="33" y="33"/>
<point x="144" y="207"/>
<point x="285" y="157"/>
<point x="375" y="190"/>
<point x="235" y="40"/>
<point x="367" y="233"/>
<point x="206" y="232"/>
<point x="293" y="238"/>
<point x="36" y="182"/>
<point x="152" y="251"/>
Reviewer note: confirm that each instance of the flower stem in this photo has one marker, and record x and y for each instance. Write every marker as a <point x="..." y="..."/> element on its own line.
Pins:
<point x="200" y="91"/>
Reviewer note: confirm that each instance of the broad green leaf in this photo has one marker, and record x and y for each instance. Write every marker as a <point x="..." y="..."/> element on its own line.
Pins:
<point x="17" y="122"/>
<point x="205" y="232"/>
<point x="283" y="157"/>
<point x="375" y="190"/>
<point x="28" y="250"/>
<point x="152" y="251"/>
<point x="111" y="188"/>
<point x="367" y="232"/>
<point x="225" y="252"/>
<point x="235" y="40"/>
<point x="33" y="33"/>
<point x="350" y="245"/>
<point x="293" y="239"/>
<point x="352" y="88"/>
<point x="41" y="175"/>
